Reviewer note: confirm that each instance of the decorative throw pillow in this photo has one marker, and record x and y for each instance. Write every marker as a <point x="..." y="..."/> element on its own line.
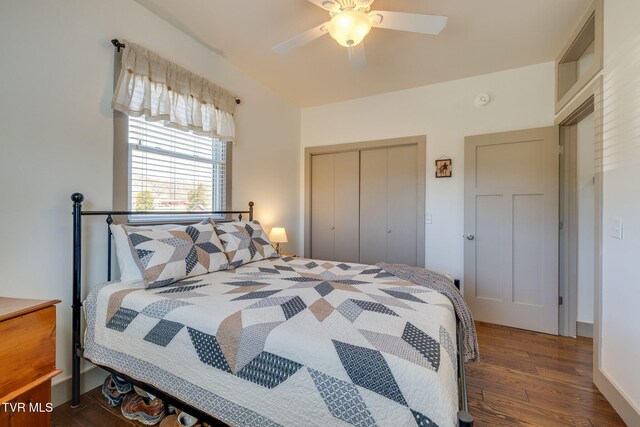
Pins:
<point x="129" y="270"/>
<point x="244" y="242"/>
<point x="166" y="256"/>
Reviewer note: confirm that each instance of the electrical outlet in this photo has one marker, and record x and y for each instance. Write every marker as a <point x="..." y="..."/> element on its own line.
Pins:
<point x="616" y="228"/>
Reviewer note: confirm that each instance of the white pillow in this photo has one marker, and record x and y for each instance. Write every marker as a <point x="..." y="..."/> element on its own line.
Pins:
<point x="129" y="269"/>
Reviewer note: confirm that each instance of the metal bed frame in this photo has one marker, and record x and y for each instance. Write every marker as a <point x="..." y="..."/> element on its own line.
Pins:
<point x="464" y="418"/>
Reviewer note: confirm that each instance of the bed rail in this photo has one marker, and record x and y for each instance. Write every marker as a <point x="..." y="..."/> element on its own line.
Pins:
<point x="76" y="306"/>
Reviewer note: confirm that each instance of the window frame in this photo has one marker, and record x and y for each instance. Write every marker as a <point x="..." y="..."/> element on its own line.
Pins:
<point x="122" y="177"/>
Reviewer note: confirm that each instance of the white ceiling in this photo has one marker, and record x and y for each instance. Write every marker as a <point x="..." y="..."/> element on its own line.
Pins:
<point x="481" y="37"/>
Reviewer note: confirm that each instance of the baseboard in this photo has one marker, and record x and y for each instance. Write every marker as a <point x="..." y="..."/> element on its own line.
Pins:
<point x="90" y="378"/>
<point x="584" y="329"/>
<point x="620" y="402"/>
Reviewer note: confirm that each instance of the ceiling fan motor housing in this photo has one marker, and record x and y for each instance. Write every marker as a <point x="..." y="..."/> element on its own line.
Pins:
<point x="349" y="27"/>
<point x="336" y="6"/>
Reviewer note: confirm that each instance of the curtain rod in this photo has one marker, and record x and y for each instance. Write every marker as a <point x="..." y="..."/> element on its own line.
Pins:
<point x="119" y="45"/>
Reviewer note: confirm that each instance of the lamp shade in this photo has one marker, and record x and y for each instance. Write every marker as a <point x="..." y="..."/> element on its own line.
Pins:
<point x="349" y="27"/>
<point x="278" y="235"/>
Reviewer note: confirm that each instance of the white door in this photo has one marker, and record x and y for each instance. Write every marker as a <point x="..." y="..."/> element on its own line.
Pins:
<point x="511" y="228"/>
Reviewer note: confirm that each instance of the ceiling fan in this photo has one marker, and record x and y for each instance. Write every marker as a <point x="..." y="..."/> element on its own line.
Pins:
<point x="351" y="21"/>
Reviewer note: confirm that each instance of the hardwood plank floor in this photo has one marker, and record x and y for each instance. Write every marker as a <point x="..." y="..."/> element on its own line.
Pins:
<point x="527" y="378"/>
<point x="523" y="379"/>
<point x="92" y="412"/>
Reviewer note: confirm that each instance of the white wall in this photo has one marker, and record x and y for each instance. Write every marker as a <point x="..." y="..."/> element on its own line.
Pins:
<point x="586" y="218"/>
<point x="56" y="137"/>
<point x="521" y="98"/>
<point x="620" y="345"/>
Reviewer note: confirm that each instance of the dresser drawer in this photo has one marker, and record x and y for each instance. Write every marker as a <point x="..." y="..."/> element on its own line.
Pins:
<point x="31" y="409"/>
<point x="27" y="349"/>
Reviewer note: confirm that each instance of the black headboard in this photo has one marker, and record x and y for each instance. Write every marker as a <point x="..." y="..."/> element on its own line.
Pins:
<point x="78" y="213"/>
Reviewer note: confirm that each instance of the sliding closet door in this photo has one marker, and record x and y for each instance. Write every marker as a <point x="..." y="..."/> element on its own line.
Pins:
<point x="402" y="208"/>
<point x="322" y="206"/>
<point x="347" y="207"/>
<point x="335" y="206"/>
<point x="373" y="206"/>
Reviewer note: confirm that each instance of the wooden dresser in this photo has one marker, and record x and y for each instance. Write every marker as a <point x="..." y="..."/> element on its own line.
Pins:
<point x="27" y="361"/>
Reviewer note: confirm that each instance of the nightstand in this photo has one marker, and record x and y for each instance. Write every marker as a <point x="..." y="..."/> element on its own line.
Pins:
<point x="27" y="361"/>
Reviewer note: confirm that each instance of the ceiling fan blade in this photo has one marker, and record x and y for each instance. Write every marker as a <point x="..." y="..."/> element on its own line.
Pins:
<point x="357" y="56"/>
<point x="412" y="22"/>
<point x="301" y="39"/>
<point x="326" y="4"/>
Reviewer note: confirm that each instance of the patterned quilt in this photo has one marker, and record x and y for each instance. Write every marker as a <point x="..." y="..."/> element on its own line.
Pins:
<point x="292" y="341"/>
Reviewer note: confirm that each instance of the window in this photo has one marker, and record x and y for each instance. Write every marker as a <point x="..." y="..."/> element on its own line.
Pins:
<point x="172" y="170"/>
<point x="581" y="58"/>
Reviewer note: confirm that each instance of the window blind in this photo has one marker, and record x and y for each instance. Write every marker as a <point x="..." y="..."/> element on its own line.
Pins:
<point x="171" y="170"/>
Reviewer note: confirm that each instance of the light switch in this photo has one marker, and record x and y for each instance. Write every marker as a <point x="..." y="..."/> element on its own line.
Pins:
<point x="427" y="219"/>
<point x="616" y="229"/>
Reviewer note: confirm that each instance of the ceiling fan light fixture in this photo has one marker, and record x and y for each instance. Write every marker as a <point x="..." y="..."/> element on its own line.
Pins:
<point x="350" y="27"/>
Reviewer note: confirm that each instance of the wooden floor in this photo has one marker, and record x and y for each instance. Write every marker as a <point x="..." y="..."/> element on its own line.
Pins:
<point x="524" y="378"/>
<point x="527" y="378"/>
<point x="92" y="412"/>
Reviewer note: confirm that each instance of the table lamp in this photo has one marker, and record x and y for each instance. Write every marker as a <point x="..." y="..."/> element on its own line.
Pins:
<point x="278" y="235"/>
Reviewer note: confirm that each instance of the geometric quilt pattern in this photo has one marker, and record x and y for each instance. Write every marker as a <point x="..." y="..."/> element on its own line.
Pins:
<point x="343" y="399"/>
<point x="269" y="370"/>
<point x="397" y="346"/>
<point x="367" y="368"/>
<point x="163" y="332"/>
<point x="337" y="342"/>
<point x="208" y="349"/>
<point x="166" y="256"/>
<point x="422" y="342"/>
<point x="422" y="420"/>
<point x="447" y="343"/>
<point x="244" y="242"/>
<point x="121" y="319"/>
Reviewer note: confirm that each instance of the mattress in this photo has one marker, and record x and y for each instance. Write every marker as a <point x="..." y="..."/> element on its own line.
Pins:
<point x="291" y="341"/>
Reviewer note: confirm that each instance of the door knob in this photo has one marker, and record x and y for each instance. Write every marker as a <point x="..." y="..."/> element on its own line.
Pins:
<point x="470" y="236"/>
<point x="333" y="228"/>
<point x="389" y="231"/>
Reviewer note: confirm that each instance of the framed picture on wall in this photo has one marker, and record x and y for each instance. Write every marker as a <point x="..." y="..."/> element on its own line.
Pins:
<point x="443" y="168"/>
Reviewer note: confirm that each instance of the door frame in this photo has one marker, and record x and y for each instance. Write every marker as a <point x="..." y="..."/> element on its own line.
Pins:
<point x="568" y="238"/>
<point x="419" y="140"/>
<point x="589" y="99"/>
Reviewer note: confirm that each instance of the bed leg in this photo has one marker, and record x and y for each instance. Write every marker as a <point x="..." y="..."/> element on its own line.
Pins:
<point x="465" y="419"/>
<point x="77" y="199"/>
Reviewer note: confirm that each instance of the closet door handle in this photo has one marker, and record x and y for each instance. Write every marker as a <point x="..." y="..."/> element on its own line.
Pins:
<point x="333" y="228"/>
<point x="389" y="231"/>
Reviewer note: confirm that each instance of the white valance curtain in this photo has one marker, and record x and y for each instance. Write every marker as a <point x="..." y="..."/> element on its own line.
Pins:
<point x="150" y="85"/>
